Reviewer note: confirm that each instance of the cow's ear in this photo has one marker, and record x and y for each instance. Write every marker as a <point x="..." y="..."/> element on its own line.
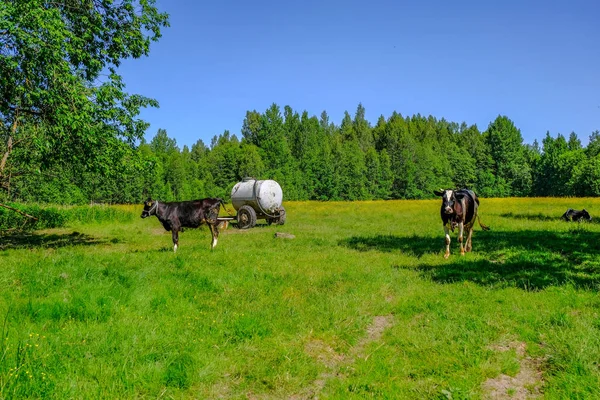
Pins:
<point x="438" y="192"/>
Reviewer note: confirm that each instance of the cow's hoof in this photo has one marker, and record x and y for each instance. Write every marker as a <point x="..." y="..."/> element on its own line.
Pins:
<point x="446" y="255"/>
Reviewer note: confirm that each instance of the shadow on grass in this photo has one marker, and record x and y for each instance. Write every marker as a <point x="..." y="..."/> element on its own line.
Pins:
<point x="531" y="217"/>
<point x="259" y="224"/>
<point x="530" y="259"/>
<point x="232" y="225"/>
<point x="24" y="240"/>
<point x="544" y="218"/>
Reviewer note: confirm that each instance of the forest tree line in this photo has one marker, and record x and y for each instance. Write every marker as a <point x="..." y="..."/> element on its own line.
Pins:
<point x="70" y="133"/>
<point x="400" y="157"/>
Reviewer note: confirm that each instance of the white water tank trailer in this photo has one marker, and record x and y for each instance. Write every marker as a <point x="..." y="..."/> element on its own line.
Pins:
<point x="257" y="199"/>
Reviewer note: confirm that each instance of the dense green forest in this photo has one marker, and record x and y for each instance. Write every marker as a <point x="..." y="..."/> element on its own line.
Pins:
<point x="400" y="157"/>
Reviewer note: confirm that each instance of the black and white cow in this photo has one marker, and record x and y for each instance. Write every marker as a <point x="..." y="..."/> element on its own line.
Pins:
<point x="189" y="214"/>
<point x="576" y="215"/>
<point x="459" y="208"/>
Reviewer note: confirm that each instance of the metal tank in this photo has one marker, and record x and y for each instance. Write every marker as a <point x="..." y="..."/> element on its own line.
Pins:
<point x="257" y="199"/>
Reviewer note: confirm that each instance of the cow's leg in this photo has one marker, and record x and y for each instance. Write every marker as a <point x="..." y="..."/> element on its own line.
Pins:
<point x="175" y="234"/>
<point x="215" y="235"/>
<point x="469" y="239"/>
<point x="461" y="228"/>
<point x="447" y="233"/>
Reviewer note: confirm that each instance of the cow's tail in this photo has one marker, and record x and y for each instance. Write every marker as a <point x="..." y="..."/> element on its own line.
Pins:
<point x="484" y="227"/>
<point x="223" y="204"/>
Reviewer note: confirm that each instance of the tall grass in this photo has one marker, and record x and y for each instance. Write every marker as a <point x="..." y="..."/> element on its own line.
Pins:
<point x="56" y="217"/>
<point x="100" y="214"/>
<point x="105" y="309"/>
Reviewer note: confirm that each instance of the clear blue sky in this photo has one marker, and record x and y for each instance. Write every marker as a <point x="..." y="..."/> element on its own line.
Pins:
<point x="537" y="62"/>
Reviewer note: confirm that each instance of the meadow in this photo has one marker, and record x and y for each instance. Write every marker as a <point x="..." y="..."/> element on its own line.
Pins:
<point x="360" y="304"/>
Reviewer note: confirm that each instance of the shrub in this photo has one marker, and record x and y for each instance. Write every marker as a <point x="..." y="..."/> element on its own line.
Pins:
<point x="49" y="217"/>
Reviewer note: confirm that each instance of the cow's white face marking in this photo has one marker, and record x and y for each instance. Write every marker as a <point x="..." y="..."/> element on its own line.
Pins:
<point x="447" y="202"/>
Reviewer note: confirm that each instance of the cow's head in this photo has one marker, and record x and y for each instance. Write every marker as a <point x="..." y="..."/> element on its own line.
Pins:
<point x="448" y="200"/>
<point x="586" y="215"/>
<point x="149" y="208"/>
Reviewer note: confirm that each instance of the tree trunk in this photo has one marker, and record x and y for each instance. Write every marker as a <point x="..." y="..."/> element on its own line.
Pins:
<point x="5" y="157"/>
<point x="9" y="147"/>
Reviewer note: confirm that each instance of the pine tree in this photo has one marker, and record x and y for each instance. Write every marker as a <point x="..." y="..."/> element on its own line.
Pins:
<point x="505" y="143"/>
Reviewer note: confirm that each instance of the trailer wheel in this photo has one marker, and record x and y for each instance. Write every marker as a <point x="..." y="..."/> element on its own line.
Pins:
<point x="246" y="217"/>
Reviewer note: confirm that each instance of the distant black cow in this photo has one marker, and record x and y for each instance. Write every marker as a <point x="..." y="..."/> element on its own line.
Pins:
<point x="459" y="208"/>
<point x="576" y="215"/>
<point x="190" y="214"/>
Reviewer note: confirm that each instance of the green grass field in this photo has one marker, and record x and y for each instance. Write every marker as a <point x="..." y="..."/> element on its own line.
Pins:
<point x="361" y="304"/>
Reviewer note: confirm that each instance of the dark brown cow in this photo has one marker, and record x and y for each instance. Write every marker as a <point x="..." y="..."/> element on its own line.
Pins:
<point x="459" y="208"/>
<point x="189" y="214"/>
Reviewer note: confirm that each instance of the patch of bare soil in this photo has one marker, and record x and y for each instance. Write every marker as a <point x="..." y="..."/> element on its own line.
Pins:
<point x="525" y="385"/>
<point x="324" y="353"/>
<point x="374" y="333"/>
<point x="334" y="361"/>
<point x="232" y="230"/>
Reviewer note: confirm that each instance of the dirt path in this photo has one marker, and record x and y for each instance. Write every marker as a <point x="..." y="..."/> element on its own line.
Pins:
<point x="525" y="385"/>
<point x="334" y="361"/>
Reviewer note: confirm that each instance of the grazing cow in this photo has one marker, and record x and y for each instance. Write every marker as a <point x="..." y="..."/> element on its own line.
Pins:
<point x="576" y="215"/>
<point x="175" y="216"/>
<point x="459" y="208"/>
